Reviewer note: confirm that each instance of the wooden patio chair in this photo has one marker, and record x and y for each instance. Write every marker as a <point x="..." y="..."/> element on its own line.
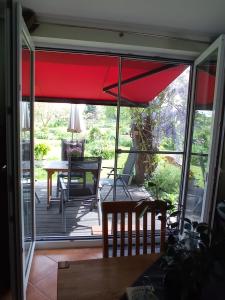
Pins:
<point x="133" y="227"/>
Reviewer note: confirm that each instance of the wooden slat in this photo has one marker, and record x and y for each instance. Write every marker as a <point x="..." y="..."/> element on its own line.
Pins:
<point x="137" y="234"/>
<point x="131" y="207"/>
<point x="153" y="232"/>
<point x="105" y="236"/>
<point x="129" y="233"/>
<point x="145" y="226"/>
<point x="119" y="206"/>
<point x="122" y="234"/>
<point x="114" y="228"/>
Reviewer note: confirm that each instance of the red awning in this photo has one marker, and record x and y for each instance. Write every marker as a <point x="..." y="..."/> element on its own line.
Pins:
<point x="205" y="86"/>
<point x="93" y="79"/>
<point x="142" y="81"/>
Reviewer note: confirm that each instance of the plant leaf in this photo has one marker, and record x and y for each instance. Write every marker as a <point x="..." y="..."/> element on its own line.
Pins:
<point x="174" y="225"/>
<point x="194" y="224"/>
<point x="187" y="220"/>
<point x="202" y="228"/>
<point x="187" y="226"/>
<point x="175" y="213"/>
<point x="142" y="212"/>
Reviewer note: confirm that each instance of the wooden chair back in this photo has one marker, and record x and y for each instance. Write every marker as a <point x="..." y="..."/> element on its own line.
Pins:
<point x="133" y="226"/>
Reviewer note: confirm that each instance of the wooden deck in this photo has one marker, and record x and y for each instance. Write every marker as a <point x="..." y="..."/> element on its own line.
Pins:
<point x="80" y="221"/>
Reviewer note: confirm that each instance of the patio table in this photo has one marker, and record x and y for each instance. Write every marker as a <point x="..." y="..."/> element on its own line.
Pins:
<point x="52" y="167"/>
<point x="59" y="166"/>
<point x="105" y="278"/>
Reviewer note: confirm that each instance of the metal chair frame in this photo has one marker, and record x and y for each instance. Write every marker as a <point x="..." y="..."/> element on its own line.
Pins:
<point x="80" y="191"/>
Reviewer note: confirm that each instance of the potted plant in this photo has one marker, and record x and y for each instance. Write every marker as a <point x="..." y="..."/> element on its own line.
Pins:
<point x="194" y="262"/>
<point x="40" y="151"/>
<point x="75" y="151"/>
<point x="184" y="263"/>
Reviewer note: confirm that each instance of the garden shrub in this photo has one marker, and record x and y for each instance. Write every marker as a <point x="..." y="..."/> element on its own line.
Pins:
<point x="168" y="144"/>
<point x="59" y="133"/>
<point x="125" y="141"/>
<point x="41" y="134"/>
<point x="165" y="182"/>
<point x="101" y="149"/>
<point x="40" y="150"/>
<point x="103" y="134"/>
<point x="59" y="122"/>
<point x="94" y="134"/>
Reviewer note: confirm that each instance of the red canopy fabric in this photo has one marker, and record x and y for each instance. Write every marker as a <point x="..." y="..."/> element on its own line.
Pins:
<point x="142" y="81"/>
<point x="93" y="79"/>
<point x="205" y="86"/>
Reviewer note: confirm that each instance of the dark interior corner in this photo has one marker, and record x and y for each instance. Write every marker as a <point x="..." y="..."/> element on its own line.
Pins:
<point x="30" y="19"/>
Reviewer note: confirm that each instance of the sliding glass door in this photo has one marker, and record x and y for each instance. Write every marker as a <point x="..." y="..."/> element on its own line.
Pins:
<point x="16" y="176"/>
<point x="26" y="148"/>
<point x="204" y="133"/>
<point x="25" y="139"/>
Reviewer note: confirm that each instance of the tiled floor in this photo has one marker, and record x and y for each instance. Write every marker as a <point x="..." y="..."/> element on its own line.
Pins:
<point x="42" y="283"/>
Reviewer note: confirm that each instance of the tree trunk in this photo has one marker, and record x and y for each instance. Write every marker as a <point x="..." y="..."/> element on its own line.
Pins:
<point x="140" y="169"/>
<point x="142" y="136"/>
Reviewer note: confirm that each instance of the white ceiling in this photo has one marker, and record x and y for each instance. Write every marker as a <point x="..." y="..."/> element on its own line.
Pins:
<point x="199" y="18"/>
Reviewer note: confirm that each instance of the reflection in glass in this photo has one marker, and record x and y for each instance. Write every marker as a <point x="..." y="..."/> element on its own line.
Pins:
<point x="25" y="146"/>
<point x="203" y="122"/>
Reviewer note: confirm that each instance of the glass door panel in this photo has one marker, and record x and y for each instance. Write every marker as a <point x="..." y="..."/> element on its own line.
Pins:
<point x="26" y="149"/>
<point x="204" y="132"/>
<point x="25" y="146"/>
<point x="153" y="105"/>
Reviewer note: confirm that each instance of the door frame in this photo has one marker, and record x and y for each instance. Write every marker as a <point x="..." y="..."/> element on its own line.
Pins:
<point x="18" y="280"/>
<point x="13" y="16"/>
<point x="208" y="207"/>
<point x="24" y="33"/>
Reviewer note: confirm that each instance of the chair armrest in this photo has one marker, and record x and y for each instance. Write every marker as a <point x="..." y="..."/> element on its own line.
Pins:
<point x="109" y="174"/>
<point x="121" y="174"/>
<point x="110" y="168"/>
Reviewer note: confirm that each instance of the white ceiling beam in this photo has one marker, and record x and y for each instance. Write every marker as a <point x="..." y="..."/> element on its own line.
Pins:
<point x="105" y="40"/>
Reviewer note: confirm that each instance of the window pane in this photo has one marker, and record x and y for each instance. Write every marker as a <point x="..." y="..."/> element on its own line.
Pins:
<point x="203" y="121"/>
<point x="157" y="122"/>
<point x="25" y="134"/>
<point x="161" y="180"/>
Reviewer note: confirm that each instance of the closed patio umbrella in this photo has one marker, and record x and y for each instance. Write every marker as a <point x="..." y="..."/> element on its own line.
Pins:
<point x="76" y="121"/>
<point x="25" y="116"/>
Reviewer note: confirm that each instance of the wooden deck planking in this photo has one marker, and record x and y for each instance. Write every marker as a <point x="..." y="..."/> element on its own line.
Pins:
<point x="49" y="221"/>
